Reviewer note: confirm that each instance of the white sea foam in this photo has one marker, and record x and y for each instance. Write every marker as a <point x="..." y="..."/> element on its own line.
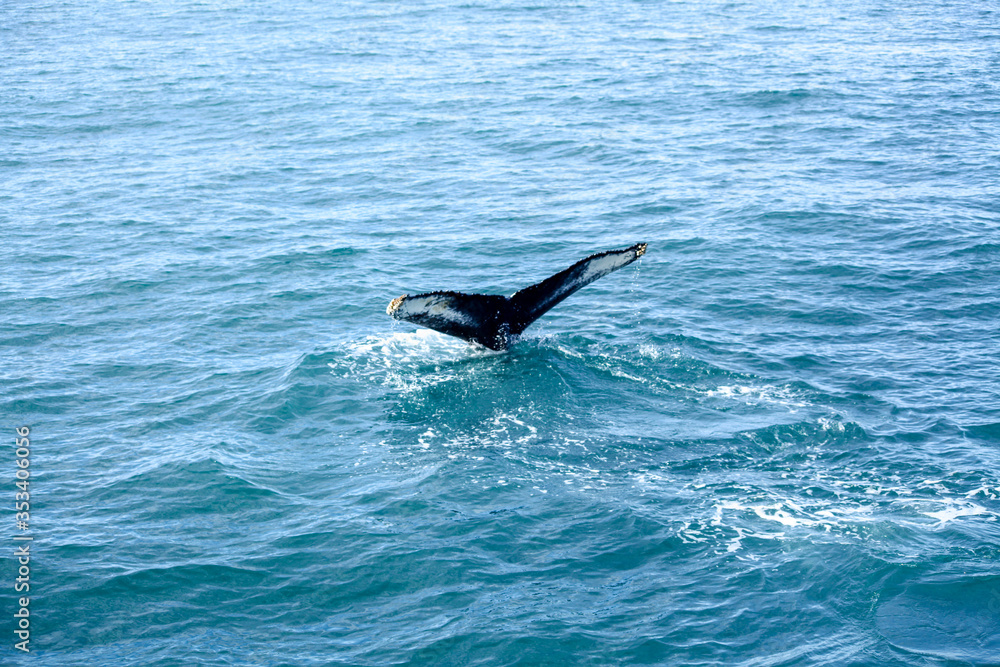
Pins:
<point x="953" y="509"/>
<point x="406" y="361"/>
<point x="731" y="521"/>
<point x="422" y="345"/>
<point x="770" y="394"/>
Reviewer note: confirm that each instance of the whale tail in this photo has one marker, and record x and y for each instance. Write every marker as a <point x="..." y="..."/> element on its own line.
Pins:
<point x="533" y="302"/>
<point x="491" y="320"/>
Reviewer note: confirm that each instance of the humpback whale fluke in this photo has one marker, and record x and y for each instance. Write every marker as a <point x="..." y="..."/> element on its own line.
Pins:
<point x="490" y="319"/>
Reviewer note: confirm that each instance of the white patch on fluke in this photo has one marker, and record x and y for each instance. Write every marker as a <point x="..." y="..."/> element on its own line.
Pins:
<point x="438" y="306"/>
<point x="605" y="265"/>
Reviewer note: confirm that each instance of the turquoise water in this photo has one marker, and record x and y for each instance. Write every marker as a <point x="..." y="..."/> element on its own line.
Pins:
<point x="773" y="441"/>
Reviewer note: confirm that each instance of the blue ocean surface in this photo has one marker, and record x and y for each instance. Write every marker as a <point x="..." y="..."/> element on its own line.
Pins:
<point x="774" y="440"/>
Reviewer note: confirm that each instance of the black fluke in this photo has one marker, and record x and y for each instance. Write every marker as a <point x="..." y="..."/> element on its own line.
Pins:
<point x="491" y="320"/>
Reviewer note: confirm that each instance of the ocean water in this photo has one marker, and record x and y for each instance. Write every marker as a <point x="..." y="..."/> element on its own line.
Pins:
<point x="773" y="441"/>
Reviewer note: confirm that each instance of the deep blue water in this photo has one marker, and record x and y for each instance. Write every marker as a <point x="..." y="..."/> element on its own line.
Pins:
<point x="773" y="441"/>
